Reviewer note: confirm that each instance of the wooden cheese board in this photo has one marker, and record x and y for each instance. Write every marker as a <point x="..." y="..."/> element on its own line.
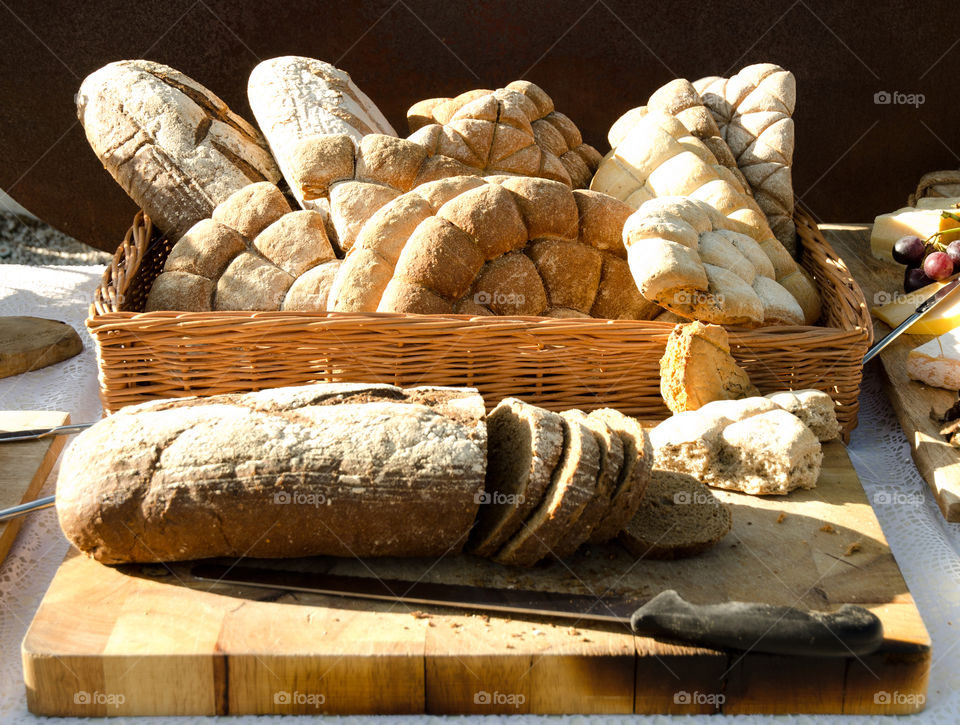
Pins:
<point x="24" y="466"/>
<point x="937" y="461"/>
<point x="152" y="640"/>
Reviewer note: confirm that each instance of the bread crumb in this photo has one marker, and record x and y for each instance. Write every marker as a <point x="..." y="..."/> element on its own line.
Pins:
<point x="782" y="517"/>
<point x="419" y="615"/>
<point x="828" y="529"/>
<point x="510" y="646"/>
<point x="854" y="547"/>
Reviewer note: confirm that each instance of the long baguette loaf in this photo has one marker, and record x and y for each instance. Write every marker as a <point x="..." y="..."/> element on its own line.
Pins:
<point x="341" y="469"/>
<point x="173" y="145"/>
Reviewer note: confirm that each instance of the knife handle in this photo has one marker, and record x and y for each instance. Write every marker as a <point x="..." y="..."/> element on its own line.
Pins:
<point x="755" y="627"/>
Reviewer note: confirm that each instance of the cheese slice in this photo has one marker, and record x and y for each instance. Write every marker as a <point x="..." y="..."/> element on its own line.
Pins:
<point x="942" y="319"/>
<point x="937" y="362"/>
<point x="888" y="228"/>
<point x="938" y="202"/>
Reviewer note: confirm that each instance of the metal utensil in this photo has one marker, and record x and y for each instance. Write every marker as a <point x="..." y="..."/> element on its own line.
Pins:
<point x="923" y="308"/>
<point x="848" y="631"/>
<point x="37" y="433"/>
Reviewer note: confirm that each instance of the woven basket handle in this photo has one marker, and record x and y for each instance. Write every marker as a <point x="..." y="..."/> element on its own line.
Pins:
<point x="928" y="181"/>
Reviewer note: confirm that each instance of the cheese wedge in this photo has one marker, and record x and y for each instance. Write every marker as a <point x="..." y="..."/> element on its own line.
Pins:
<point x="888" y="228"/>
<point x="938" y="202"/>
<point x="942" y="319"/>
<point x="937" y="362"/>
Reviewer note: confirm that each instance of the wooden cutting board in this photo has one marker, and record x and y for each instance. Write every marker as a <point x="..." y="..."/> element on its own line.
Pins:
<point x="937" y="461"/>
<point x="151" y="640"/>
<point x="24" y="466"/>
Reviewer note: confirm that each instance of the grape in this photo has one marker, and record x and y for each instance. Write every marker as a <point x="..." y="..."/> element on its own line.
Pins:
<point x="909" y="250"/>
<point x="953" y="251"/>
<point x="938" y="265"/>
<point x="914" y="279"/>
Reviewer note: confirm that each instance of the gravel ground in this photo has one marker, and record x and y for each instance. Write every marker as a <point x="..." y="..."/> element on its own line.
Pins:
<point x="28" y="241"/>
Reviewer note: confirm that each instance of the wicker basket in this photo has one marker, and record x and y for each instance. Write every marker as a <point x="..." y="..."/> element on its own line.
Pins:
<point x="556" y="363"/>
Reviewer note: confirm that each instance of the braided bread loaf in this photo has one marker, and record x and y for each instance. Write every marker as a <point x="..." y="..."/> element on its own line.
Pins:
<point x="253" y="254"/>
<point x="754" y="110"/>
<point x="495" y="245"/>
<point x="679" y="99"/>
<point x="514" y="130"/>
<point x="685" y="256"/>
<point x="659" y="157"/>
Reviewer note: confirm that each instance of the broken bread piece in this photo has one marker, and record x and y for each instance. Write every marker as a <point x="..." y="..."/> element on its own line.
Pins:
<point x="750" y="445"/>
<point x="697" y="368"/>
<point x="814" y="407"/>
<point x="678" y="517"/>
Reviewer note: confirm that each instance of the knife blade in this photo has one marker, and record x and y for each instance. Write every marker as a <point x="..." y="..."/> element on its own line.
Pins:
<point x="740" y="626"/>
<point x="923" y="308"/>
<point x="33" y="434"/>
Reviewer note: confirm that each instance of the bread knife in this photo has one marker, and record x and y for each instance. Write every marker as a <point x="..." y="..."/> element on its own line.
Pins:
<point x="32" y="434"/>
<point x="849" y="631"/>
<point x="923" y="308"/>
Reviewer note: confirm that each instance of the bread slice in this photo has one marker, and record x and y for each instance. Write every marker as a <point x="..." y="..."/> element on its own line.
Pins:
<point x="611" y="462"/>
<point x="814" y="407"/>
<point x="678" y="517"/>
<point x="633" y="478"/>
<point x="524" y="443"/>
<point x="573" y="485"/>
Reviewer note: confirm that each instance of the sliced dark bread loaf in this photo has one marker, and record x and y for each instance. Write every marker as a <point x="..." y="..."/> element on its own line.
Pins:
<point x="678" y="517"/>
<point x="524" y="445"/>
<point x="573" y="485"/>
<point x="611" y="461"/>
<point x="634" y="476"/>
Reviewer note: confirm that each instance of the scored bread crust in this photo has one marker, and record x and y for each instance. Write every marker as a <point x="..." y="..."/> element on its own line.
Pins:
<point x="513" y="130"/>
<point x="572" y="486"/>
<point x="293" y="97"/>
<point x="515" y="490"/>
<point x="678" y="517"/>
<point x="660" y="158"/>
<point x="501" y="245"/>
<point x="754" y="112"/>
<point x="173" y="145"/>
<point x="634" y="475"/>
<point x="611" y="462"/>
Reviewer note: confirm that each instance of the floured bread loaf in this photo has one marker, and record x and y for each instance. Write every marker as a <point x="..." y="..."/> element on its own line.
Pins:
<point x="348" y="469"/>
<point x="750" y="445"/>
<point x="293" y="97"/>
<point x="254" y="253"/>
<point x="659" y="157"/>
<point x="814" y="407"/>
<point x="686" y="257"/>
<point x="678" y="517"/>
<point x="173" y="145"/>
<point x="514" y="130"/>
<point x="501" y="245"/>
<point x="754" y="110"/>
<point x="697" y="368"/>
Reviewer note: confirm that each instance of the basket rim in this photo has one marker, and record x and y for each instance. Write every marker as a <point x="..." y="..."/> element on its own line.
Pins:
<point x="131" y="252"/>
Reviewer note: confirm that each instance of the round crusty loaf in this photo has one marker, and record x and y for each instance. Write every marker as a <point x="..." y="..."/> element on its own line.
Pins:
<point x="349" y="469"/>
<point x="524" y="444"/>
<point x="174" y="146"/>
<point x="678" y="517"/>
<point x="254" y="253"/>
<point x="501" y="245"/>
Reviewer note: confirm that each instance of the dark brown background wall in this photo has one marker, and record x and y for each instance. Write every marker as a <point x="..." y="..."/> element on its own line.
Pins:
<point x="597" y="58"/>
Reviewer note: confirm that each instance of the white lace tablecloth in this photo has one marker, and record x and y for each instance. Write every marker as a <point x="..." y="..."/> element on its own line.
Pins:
<point x="926" y="547"/>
